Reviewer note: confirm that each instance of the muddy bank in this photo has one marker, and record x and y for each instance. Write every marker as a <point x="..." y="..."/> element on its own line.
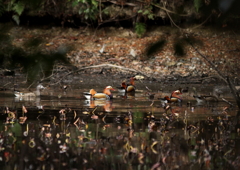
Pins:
<point x="96" y="54"/>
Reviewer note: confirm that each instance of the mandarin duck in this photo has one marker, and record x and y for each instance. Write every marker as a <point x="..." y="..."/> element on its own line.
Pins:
<point x="122" y="89"/>
<point x="165" y="100"/>
<point x="172" y="99"/>
<point x="105" y="95"/>
<point x="175" y="96"/>
<point x="128" y="87"/>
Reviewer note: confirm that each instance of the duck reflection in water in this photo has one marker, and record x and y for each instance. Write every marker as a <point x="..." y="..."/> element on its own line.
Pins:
<point x="123" y="95"/>
<point x="106" y="104"/>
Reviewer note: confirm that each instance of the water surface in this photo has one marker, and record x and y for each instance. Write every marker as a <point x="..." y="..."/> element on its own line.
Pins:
<point x="64" y="130"/>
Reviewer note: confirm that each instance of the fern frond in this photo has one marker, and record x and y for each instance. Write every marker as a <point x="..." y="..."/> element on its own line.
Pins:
<point x="2" y="8"/>
<point x="197" y="4"/>
<point x="16" y="19"/>
<point x="18" y="8"/>
<point x="140" y="29"/>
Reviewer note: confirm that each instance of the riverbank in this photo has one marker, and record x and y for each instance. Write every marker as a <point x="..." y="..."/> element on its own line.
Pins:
<point x="124" y="52"/>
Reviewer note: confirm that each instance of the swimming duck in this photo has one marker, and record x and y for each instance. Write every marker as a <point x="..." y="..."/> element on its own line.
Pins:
<point x="131" y="87"/>
<point x="36" y="93"/>
<point x="128" y="87"/>
<point x="175" y="96"/>
<point x="201" y="99"/>
<point x="165" y="100"/>
<point x="122" y="89"/>
<point x="105" y="95"/>
<point x="204" y="99"/>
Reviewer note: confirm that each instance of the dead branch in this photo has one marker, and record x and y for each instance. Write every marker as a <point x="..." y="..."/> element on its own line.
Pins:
<point x="117" y="3"/>
<point x="210" y="63"/>
<point x="102" y="65"/>
<point x="226" y="79"/>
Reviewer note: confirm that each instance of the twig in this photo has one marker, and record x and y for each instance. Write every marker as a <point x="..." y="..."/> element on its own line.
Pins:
<point x="209" y="62"/>
<point x="165" y="9"/>
<point x="167" y="12"/>
<point x="6" y="84"/>
<point x="30" y="85"/>
<point x="100" y="10"/>
<point x="54" y="2"/>
<point x="227" y="101"/>
<point x="145" y="86"/>
<point x="42" y="71"/>
<point x="111" y="20"/>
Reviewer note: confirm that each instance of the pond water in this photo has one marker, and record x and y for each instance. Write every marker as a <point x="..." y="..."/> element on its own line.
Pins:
<point x="63" y="130"/>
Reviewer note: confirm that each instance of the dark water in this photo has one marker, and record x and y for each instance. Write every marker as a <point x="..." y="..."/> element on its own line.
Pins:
<point x="63" y="130"/>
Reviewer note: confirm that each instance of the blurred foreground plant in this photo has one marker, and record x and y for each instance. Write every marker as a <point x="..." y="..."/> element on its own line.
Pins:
<point x="30" y="57"/>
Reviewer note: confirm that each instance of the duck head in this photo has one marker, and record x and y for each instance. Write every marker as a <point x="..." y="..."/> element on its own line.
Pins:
<point x="92" y="92"/>
<point x="132" y="81"/>
<point x="124" y="86"/>
<point x="110" y="88"/>
<point x="177" y="92"/>
<point x="40" y="87"/>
